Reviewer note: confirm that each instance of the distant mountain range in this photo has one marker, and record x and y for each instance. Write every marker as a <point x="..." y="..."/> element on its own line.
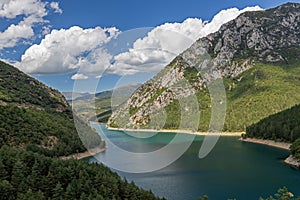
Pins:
<point x="73" y="95"/>
<point x="258" y="57"/>
<point x="102" y="103"/>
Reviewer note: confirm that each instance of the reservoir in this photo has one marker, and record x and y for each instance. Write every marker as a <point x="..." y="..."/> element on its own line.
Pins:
<point x="233" y="169"/>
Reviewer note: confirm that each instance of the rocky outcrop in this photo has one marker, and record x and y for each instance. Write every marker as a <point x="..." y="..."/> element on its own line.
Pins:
<point x="291" y="160"/>
<point x="261" y="36"/>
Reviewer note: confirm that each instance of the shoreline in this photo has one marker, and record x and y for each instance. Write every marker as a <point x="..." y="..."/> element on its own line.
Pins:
<point x="290" y="160"/>
<point x="86" y="154"/>
<point x="281" y="145"/>
<point x="179" y="131"/>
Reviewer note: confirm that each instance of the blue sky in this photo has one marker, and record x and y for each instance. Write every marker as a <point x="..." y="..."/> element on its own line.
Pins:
<point x="91" y="17"/>
<point x="136" y="13"/>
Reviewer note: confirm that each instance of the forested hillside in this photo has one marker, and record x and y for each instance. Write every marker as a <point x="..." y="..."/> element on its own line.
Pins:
<point x="36" y="125"/>
<point x="263" y="90"/>
<point x="283" y="126"/>
<point x="37" y="118"/>
<point x="257" y="57"/>
<point x="27" y="175"/>
<point x="18" y="88"/>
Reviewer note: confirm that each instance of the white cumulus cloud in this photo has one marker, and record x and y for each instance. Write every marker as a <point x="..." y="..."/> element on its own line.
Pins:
<point x="83" y="50"/>
<point x="32" y="12"/>
<point x="163" y="43"/>
<point x="223" y="17"/>
<point x="66" y="50"/>
<point x="12" y="8"/>
<point x="55" y="6"/>
<point x="13" y="33"/>
<point x="79" y="77"/>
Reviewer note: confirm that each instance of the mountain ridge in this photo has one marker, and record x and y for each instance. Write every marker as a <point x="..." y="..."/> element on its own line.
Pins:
<point x="249" y="40"/>
<point x="38" y="118"/>
<point x="39" y="95"/>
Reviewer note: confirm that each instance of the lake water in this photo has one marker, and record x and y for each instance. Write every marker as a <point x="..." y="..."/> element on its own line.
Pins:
<point x="233" y="169"/>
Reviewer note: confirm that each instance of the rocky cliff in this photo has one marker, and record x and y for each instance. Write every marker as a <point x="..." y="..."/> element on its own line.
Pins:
<point x="270" y="36"/>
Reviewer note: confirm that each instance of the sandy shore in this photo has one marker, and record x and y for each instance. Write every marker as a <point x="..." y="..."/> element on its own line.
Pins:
<point x="85" y="154"/>
<point x="179" y="131"/>
<point x="282" y="145"/>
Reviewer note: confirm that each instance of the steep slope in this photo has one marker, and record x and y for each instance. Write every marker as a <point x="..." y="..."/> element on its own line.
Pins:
<point x="257" y="55"/>
<point x="26" y="175"/>
<point x="17" y="88"/>
<point x="282" y="126"/>
<point x="36" y="117"/>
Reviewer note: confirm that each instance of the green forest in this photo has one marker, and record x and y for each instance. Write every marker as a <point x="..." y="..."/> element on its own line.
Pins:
<point x="263" y="90"/>
<point x="45" y="131"/>
<point x="36" y="127"/>
<point x="19" y="88"/>
<point x="283" y="126"/>
<point x="27" y="175"/>
<point x="255" y="94"/>
<point x="37" y="118"/>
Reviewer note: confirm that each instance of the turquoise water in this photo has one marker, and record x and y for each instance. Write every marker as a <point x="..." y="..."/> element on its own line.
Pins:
<point x="232" y="170"/>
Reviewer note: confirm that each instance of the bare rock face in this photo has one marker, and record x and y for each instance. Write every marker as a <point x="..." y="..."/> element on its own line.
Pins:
<point x="291" y="160"/>
<point x="271" y="36"/>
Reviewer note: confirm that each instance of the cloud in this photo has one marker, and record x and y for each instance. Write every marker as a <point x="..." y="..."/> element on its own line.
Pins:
<point x="13" y="34"/>
<point x="10" y="9"/>
<point x="158" y="48"/>
<point x="65" y="50"/>
<point x="46" y="30"/>
<point x="31" y="13"/>
<point x="55" y="6"/>
<point x="223" y="17"/>
<point x="73" y="49"/>
<point x="140" y="60"/>
<point x="95" y="64"/>
<point x="163" y="43"/>
<point x="79" y="77"/>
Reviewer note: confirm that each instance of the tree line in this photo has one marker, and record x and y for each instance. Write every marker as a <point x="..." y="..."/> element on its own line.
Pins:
<point x="283" y="126"/>
<point x="28" y="175"/>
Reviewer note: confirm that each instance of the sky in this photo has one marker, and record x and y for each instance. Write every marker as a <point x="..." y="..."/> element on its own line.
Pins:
<point x="95" y="45"/>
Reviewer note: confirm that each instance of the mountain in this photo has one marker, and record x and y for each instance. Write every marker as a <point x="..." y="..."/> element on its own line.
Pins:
<point x="102" y="103"/>
<point x="257" y="55"/>
<point x="38" y="118"/>
<point x="73" y="95"/>
<point x="36" y="126"/>
<point x="37" y="123"/>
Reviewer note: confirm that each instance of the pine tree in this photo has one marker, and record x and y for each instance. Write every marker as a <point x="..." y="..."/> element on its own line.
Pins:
<point x="23" y="186"/>
<point x="39" y="195"/>
<point x="6" y="190"/>
<point x="58" y="192"/>
<point x="29" y="195"/>
<point x="17" y="174"/>
<point x="35" y="177"/>
<point x="48" y="184"/>
<point x="3" y="172"/>
<point x="70" y="192"/>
